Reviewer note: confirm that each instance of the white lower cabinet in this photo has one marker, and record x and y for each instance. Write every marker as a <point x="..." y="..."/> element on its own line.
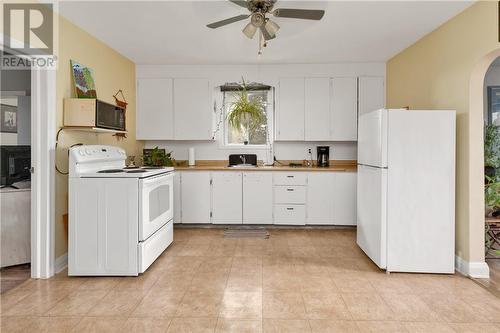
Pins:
<point x="227" y="197"/>
<point x="195" y="197"/>
<point x="257" y="198"/>
<point x="263" y="197"/>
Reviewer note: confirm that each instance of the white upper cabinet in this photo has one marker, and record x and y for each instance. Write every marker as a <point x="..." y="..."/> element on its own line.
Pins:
<point x="192" y="109"/>
<point x="371" y="92"/>
<point x="290" y="113"/>
<point x="317" y="109"/>
<point x="154" y="116"/>
<point x="343" y="117"/>
<point x="227" y="198"/>
<point x="257" y="197"/>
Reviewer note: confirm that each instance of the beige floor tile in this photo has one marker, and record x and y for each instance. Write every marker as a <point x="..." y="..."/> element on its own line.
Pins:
<point x="209" y="282"/>
<point x="134" y="283"/>
<point x="333" y="326"/>
<point x="281" y="280"/>
<point x="285" y="326"/>
<point x="241" y="305"/>
<point x="317" y="283"/>
<point x="303" y="251"/>
<point x="381" y="326"/>
<point x="409" y="307"/>
<point x="99" y="283"/>
<point x="452" y="309"/>
<point x="15" y="324"/>
<point x="283" y="305"/>
<point x="221" y="250"/>
<point x="198" y="304"/>
<point x="428" y="327"/>
<point x="475" y="328"/>
<point x="36" y="304"/>
<point x="179" y="263"/>
<point x="194" y="250"/>
<point x="366" y="306"/>
<point x="215" y="265"/>
<point x="192" y="325"/>
<point x="10" y="298"/>
<point x="250" y="281"/>
<point x="158" y="304"/>
<point x="246" y="264"/>
<point x="352" y="283"/>
<point x="150" y="325"/>
<point x="488" y="305"/>
<point x="179" y="281"/>
<point x="393" y="283"/>
<point x="325" y="306"/>
<point x="53" y="324"/>
<point x="342" y="265"/>
<point x="100" y="325"/>
<point x="238" y="326"/>
<point x="117" y="303"/>
<point x="77" y="303"/>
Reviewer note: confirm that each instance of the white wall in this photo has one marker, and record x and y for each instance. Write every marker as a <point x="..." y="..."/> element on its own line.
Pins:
<point x="267" y="74"/>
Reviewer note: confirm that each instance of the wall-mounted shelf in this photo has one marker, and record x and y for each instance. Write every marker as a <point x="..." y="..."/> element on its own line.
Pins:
<point x="95" y="130"/>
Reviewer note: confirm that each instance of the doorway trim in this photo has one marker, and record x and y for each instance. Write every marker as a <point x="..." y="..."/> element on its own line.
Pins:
<point x="43" y="121"/>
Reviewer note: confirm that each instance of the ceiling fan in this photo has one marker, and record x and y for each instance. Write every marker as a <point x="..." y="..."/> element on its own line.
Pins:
<point x="258" y="20"/>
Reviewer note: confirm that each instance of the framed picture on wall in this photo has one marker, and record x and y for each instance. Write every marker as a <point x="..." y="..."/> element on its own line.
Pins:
<point x="8" y="118"/>
<point x="494" y="105"/>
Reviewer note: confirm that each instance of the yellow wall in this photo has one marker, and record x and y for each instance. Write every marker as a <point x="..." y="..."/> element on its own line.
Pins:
<point x="112" y="71"/>
<point x="435" y="73"/>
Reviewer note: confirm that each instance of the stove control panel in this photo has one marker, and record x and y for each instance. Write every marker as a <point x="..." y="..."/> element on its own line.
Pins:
<point x="87" y="158"/>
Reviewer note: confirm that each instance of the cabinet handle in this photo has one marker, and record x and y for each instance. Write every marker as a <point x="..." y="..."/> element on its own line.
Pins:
<point x="289" y="189"/>
<point x="289" y="208"/>
<point x="290" y="176"/>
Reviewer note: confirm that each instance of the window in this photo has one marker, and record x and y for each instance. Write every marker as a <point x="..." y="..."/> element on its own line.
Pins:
<point x="257" y="135"/>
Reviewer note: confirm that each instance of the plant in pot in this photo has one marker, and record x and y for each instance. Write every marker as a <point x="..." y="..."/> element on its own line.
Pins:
<point x="158" y="157"/>
<point x="491" y="150"/>
<point x="492" y="195"/>
<point x="247" y="113"/>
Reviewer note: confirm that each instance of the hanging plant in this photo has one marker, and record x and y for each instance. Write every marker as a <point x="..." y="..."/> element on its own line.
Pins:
<point x="246" y="113"/>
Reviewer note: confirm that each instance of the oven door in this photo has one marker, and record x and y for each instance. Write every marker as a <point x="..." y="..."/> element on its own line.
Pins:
<point x="156" y="203"/>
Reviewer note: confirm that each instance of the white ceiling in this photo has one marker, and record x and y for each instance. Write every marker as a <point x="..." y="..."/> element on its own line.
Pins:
<point x="174" y="32"/>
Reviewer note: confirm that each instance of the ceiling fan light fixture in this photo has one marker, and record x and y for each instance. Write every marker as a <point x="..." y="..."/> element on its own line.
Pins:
<point x="272" y="27"/>
<point x="250" y="30"/>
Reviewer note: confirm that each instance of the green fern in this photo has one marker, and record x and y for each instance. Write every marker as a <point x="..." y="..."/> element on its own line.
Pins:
<point x="246" y="113"/>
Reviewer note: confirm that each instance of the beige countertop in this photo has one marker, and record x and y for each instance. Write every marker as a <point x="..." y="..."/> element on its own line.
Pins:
<point x="335" y="166"/>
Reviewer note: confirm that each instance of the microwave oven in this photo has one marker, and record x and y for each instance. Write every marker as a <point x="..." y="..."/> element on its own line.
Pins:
<point x="93" y="113"/>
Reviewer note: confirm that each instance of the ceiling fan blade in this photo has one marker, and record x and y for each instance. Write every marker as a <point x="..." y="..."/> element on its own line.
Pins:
<point x="241" y="3"/>
<point x="267" y="36"/>
<point x="227" y="21"/>
<point x="305" y="14"/>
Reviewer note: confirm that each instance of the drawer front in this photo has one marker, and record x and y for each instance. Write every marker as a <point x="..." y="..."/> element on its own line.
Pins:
<point x="290" y="194"/>
<point x="290" y="214"/>
<point x="290" y="178"/>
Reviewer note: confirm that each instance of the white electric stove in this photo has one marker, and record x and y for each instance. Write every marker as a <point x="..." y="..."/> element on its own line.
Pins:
<point x="120" y="219"/>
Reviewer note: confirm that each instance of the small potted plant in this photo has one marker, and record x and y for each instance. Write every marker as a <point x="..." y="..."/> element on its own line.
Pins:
<point x="491" y="150"/>
<point x="158" y="158"/>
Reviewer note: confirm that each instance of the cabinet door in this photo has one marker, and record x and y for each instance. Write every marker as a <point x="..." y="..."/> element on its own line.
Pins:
<point x="371" y="94"/>
<point x="320" y="191"/>
<point x="257" y="198"/>
<point x="192" y="109"/>
<point x="195" y="197"/>
<point x="154" y="114"/>
<point x="227" y="198"/>
<point x="290" y="120"/>
<point x="344" y="198"/>
<point x="317" y="109"/>
<point x="344" y="103"/>
<point x="177" y="197"/>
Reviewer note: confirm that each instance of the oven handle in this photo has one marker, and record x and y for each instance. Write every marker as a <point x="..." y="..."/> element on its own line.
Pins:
<point x="149" y="180"/>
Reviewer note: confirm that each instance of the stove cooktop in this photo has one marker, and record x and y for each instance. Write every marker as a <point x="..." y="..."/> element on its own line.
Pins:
<point x="127" y="173"/>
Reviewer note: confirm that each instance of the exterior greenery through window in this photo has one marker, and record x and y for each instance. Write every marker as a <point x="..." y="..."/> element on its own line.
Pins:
<point x="247" y="133"/>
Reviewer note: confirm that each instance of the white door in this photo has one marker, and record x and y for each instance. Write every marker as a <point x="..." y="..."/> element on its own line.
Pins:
<point x="320" y="191"/>
<point x="344" y="198"/>
<point x="227" y="197"/>
<point x="195" y="197"/>
<point x="154" y="114"/>
<point x="317" y="109"/>
<point x="372" y="213"/>
<point x="192" y="109"/>
<point x="372" y="138"/>
<point x="344" y="104"/>
<point x="371" y="94"/>
<point x="156" y="203"/>
<point x="290" y="120"/>
<point x="257" y="198"/>
<point x="177" y="197"/>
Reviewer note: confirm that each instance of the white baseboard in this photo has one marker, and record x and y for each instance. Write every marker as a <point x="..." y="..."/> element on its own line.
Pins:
<point x="61" y="263"/>
<point x="478" y="270"/>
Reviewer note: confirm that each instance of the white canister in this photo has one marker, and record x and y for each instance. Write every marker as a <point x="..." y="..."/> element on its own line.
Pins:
<point x="191" y="159"/>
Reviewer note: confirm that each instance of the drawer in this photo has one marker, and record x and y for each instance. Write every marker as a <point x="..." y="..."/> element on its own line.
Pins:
<point x="290" y="214"/>
<point x="290" y="178"/>
<point x="290" y="194"/>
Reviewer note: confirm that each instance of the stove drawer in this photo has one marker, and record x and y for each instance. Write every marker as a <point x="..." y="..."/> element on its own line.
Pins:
<point x="152" y="247"/>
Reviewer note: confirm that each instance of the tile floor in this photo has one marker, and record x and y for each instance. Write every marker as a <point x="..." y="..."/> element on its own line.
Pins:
<point x="296" y="281"/>
<point x="11" y="277"/>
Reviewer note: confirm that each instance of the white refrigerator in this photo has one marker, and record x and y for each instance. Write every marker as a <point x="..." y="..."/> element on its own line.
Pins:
<point x="406" y="189"/>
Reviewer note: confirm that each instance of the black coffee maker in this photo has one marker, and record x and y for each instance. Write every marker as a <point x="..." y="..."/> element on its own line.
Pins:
<point x="323" y="156"/>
